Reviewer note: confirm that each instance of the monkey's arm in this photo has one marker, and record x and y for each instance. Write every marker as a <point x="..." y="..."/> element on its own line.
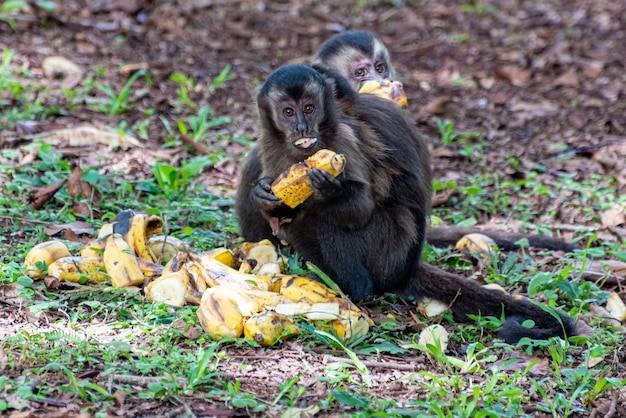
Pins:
<point x="266" y="201"/>
<point x="349" y="204"/>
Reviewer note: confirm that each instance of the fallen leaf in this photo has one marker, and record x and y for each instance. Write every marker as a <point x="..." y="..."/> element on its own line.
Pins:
<point x="613" y="217"/>
<point x="514" y="75"/>
<point x="60" y="68"/>
<point x="77" y="227"/>
<point x="78" y="188"/>
<point x="437" y="106"/>
<point x="38" y="196"/>
<point x="567" y="79"/>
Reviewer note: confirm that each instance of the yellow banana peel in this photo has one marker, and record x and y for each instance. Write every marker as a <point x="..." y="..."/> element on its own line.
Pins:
<point x="222" y="274"/>
<point x="163" y="248"/>
<point x="220" y="312"/>
<point x="121" y="263"/>
<point x="303" y="289"/>
<point x="44" y="253"/>
<point x="268" y="327"/>
<point x="78" y="269"/>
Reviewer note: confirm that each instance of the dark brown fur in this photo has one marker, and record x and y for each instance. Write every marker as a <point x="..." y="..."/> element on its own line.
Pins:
<point x="366" y="228"/>
<point x="351" y="50"/>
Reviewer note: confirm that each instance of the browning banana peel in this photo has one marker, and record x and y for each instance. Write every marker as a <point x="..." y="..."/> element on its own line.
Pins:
<point x="78" y="269"/>
<point x="121" y="263"/>
<point x="44" y="253"/>
<point x="222" y="310"/>
<point x="268" y="327"/>
<point x="303" y="289"/>
<point x="292" y="186"/>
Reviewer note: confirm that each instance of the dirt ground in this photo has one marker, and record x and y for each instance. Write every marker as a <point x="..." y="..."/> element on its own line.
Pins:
<point x="538" y="80"/>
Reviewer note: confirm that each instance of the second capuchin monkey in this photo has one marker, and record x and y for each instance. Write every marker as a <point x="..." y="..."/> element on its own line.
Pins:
<point x="361" y="56"/>
<point x="365" y="228"/>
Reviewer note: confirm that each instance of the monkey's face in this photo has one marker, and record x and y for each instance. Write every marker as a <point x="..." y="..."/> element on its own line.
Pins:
<point x="359" y="56"/>
<point x="299" y="116"/>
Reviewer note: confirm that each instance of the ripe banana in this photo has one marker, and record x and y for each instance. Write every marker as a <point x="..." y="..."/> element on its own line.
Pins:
<point x="163" y="248"/>
<point x="292" y="186"/>
<point x="390" y="90"/>
<point x="303" y="289"/>
<point x="171" y="288"/>
<point x="43" y="253"/>
<point x="120" y="262"/>
<point x="268" y="327"/>
<point x="222" y="310"/>
<point x="259" y="256"/>
<point x="78" y="270"/>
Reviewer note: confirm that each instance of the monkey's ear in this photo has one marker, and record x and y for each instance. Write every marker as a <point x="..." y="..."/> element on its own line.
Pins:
<point x="339" y="84"/>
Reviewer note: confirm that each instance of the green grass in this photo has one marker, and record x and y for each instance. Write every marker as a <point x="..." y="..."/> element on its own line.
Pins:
<point x="147" y="351"/>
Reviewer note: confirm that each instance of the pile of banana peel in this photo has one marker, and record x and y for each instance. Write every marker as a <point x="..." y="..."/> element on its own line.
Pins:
<point x="240" y="293"/>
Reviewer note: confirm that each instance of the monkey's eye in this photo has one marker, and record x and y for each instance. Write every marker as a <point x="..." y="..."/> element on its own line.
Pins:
<point x="288" y="112"/>
<point x="380" y="68"/>
<point x="309" y="108"/>
<point x="359" y="72"/>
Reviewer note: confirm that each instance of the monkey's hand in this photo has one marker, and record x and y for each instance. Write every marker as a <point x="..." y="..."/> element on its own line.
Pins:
<point x="323" y="184"/>
<point x="264" y="198"/>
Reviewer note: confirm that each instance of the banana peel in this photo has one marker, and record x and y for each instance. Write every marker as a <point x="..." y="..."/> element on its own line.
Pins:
<point x="77" y="270"/>
<point x="44" y="254"/>
<point x="164" y="247"/>
<point x="292" y="186"/>
<point x="221" y="274"/>
<point x="477" y="244"/>
<point x="136" y="228"/>
<point x="303" y="289"/>
<point x="269" y="327"/>
<point x="222" y="311"/>
<point x="121" y="263"/>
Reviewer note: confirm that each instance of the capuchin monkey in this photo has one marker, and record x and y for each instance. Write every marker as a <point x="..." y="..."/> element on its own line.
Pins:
<point x="360" y="56"/>
<point x="365" y="228"/>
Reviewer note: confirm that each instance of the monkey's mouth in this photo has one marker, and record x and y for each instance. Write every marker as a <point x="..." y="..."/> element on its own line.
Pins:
<point x="304" y="142"/>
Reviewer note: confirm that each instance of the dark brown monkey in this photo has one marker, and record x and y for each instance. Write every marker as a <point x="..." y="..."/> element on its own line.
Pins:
<point x="365" y="228"/>
<point x="360" y="56"/>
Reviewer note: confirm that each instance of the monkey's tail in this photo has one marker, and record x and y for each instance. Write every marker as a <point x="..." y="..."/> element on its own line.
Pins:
<point x="446" y="236"/>
<point x="467" y="297"/>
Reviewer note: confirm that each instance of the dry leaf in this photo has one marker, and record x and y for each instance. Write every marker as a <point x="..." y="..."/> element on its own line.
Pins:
<point x="514" y="75"/>
<point x="613" y="217"/>
<point x="437" y="106"/>
<point x="38" y="196"/>
<point x="60" y="68"/>
<point x="568" y="79"/>
<point x="78" y="228"/>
